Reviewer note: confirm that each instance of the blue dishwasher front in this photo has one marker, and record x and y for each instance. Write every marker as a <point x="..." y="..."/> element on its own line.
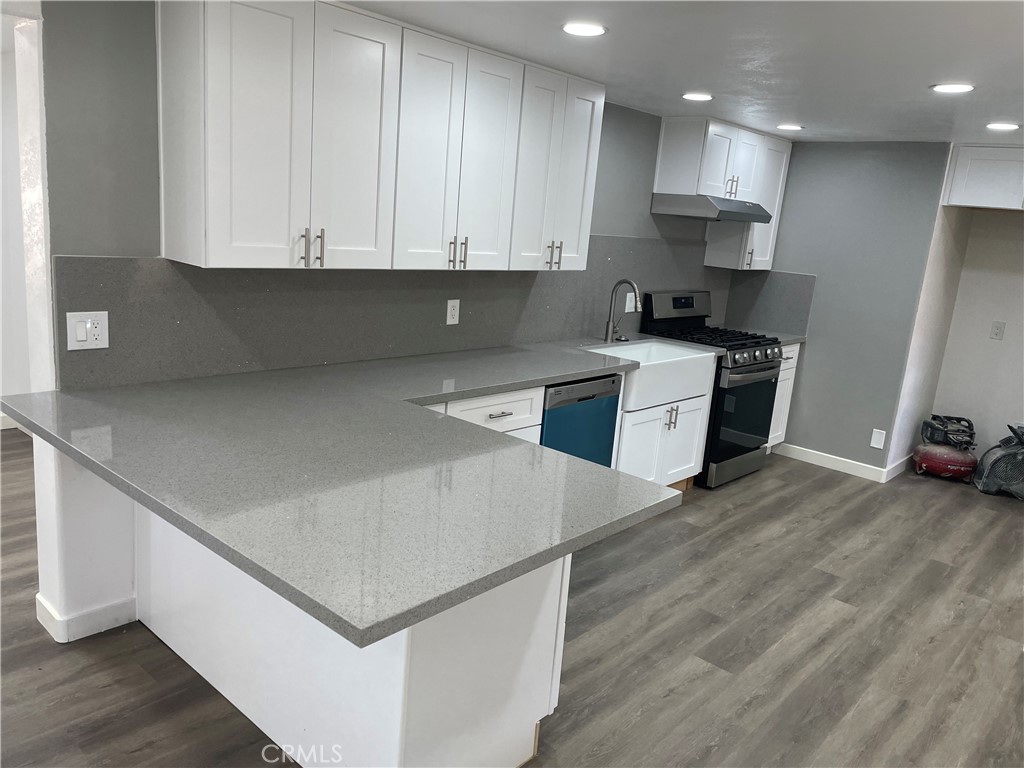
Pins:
<point x="581" y="418"/>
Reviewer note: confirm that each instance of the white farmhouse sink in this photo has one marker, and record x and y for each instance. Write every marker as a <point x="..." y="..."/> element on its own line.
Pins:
<point x="668" y="372"/>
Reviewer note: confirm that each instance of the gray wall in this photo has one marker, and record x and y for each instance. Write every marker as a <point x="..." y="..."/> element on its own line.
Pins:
<point x="99" y="70"/>
<point x="169" y="320"/>
<point x="860" y="218"/>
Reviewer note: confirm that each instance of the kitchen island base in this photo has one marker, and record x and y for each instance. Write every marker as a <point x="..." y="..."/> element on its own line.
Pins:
<point x="466" y="686"/>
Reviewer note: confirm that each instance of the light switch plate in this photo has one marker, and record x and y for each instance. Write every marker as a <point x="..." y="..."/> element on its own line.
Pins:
<point x="877" y="438"/>
<point x="87" y="330"/>
<point x="998" y="329"/>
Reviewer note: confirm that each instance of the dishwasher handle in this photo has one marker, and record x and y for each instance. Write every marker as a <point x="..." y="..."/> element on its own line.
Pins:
<point x="559" y="395"/>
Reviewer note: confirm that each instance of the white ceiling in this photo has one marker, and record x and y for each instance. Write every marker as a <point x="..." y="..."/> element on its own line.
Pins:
<point x="847" y="71"/>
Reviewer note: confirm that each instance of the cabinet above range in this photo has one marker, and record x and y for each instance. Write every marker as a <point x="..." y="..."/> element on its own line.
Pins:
<point x="310" y="135"/>
<point x="734" y="176"/>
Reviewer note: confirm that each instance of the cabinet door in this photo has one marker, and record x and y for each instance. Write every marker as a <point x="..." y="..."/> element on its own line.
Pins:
<point x="259" y="107"/>
<point x="773" y="165"/>
<point x="682" y="446"/>
<point x="356" y="70"/>
<point x="429" y="151"/>
<point x="581" y="139"/>
<point x="540" y="150"/>
<point x="640" y="440"/>
<point x="490" y="138"/>
<point x="780" y="411"/>
<point x="746" y="162"/>
<point x="988" y="177"/>
<point x="529" y="434"/>
<point x="716" y="165"/>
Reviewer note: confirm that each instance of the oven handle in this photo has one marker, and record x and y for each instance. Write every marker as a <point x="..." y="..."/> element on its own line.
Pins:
<point x="737" y="379"/>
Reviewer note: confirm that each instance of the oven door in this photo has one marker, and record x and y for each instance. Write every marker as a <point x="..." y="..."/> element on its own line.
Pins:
<point x="741" y="420"/>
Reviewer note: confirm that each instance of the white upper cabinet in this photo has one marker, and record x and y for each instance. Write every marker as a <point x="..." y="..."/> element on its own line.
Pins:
<point x="986" y="177"/>
<point x="730" y="163"/>
<point x="259" y="93"/>
<point x="356" y="66"/>
<point x="771" y="176"/>
<point x="559" y="138"/>
<point x="581" y="139"/>
<point x="429" y="152"/>
<point x="708" y="157"/>
<point x="540" y="151"/>
<point x="490" y="137"/>
<point x="305" y="135"/>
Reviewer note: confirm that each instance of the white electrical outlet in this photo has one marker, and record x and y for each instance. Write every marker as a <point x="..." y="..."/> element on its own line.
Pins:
<point x="877" y="438"/>
<point x="87" y="330"/>
<point x="452" y="317"/>
<point x="998" y="329"/>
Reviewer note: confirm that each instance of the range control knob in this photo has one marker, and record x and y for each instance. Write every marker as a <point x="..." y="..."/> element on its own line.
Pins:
<point x="757" y="354"/>
<point x="737" y="358"/>
<point x="769" y="353"/>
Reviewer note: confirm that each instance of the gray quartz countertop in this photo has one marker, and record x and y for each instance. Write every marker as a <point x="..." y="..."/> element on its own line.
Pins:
<point x="366" y="511"/>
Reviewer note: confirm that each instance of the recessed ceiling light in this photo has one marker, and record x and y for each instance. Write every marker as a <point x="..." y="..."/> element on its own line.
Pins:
<point x="697" y="96"/>
<point x="583" y="29"/>
<point x="952" y="88"/>
<point x="1002" y="126"/>
<point x="790" y="127"/>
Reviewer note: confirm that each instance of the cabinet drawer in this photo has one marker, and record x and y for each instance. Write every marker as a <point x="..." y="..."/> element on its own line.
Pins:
<point x="790" y="356"/>
<point x="504" y="412"/>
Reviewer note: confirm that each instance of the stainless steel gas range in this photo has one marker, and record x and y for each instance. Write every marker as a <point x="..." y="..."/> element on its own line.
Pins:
<point x="745" y="380"/>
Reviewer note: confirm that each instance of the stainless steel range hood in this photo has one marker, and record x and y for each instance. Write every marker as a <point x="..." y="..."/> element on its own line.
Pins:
<point x="709" y="208"/>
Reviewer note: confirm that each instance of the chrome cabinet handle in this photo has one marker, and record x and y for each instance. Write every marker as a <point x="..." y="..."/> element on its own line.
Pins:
<point x="559" y="262"/>
<point x="305" y="248"/>
<point x="551" y="255"/>
<point x="451" y="253"/>
<point x="728" y="187"/>
<point x="750" y="259"/>
<point x="322" y="237"/>
<point x="500" y="415"/>
<point x="465" y="253"/>
<point x="787" y="358"/>
<point x="736" y="187"/>
<point x="675" y="416"/>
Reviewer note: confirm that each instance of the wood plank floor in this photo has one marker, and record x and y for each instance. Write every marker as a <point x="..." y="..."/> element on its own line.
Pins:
<point x="799" y="617"/>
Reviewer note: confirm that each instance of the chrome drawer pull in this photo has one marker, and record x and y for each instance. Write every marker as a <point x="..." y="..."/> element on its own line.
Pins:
<point x="499" y="415"/>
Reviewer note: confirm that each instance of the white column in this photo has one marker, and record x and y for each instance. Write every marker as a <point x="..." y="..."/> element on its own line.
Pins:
<point x="85" y="532"/>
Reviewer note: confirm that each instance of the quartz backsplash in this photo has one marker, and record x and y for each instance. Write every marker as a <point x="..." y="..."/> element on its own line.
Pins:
<point x="171" y="321"/>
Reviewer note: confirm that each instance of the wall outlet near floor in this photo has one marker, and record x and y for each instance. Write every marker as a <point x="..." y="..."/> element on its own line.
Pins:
<point x="998" y="329"/>
<point x="452" y="318"/>
<point x="877" y="438"/>
<point x="87" y="330"/>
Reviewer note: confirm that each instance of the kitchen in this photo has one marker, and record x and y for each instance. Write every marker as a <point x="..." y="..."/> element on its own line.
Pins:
<point x="435" y="306"/>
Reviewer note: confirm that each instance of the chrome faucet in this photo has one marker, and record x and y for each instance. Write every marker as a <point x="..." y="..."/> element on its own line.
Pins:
<point x="611" y="329"/>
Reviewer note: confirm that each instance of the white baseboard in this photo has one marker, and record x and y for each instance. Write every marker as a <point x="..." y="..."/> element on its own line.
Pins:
<point x="838" y="463"/>
<point x="65" y="629"/>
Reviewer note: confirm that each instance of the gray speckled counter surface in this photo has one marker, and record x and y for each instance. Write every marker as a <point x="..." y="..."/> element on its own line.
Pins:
<point x="367" y="512"/>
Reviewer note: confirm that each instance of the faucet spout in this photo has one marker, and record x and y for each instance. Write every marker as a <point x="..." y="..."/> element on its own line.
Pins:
<point x="611" y="332"/>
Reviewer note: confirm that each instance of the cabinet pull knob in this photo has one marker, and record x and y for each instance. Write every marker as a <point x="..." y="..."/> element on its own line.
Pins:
<point x="465" y="252"/>
<point x="451" y="253"/>
<point x="559" y="249"/>
<point x="306" y="245"/>
<point x="500" y="415"/>
<point x="322" y="237"/>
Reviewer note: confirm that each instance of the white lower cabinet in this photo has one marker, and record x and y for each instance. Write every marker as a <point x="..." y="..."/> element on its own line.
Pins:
<point x="783" y="395"/>
<point x="664" y="444"/>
